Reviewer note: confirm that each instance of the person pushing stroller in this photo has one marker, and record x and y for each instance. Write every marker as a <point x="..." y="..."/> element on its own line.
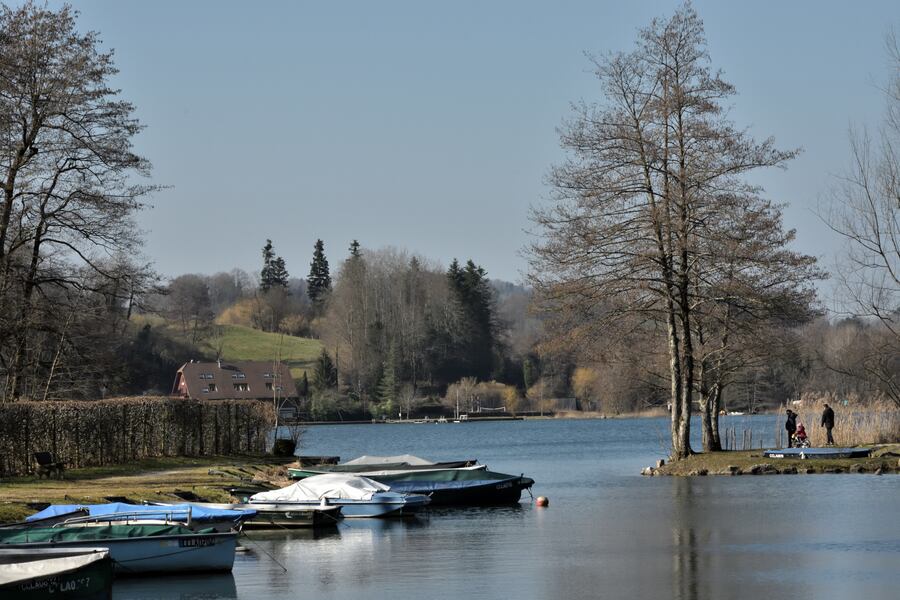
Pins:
<point x="790" y="426"/>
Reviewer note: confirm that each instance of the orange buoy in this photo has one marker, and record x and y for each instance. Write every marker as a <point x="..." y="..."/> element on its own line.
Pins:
<point x="542" y="501"/>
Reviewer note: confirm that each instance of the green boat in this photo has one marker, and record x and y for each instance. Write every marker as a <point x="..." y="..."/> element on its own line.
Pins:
<point x="380" y="465"/>
<point x="63" y="573"/>
<point x="135" y="549"/>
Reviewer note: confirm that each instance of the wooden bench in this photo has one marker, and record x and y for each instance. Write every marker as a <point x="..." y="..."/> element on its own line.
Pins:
<point x="48" y="465"/>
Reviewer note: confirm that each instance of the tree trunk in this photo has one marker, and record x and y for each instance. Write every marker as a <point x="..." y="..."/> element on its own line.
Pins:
<point x="680" y="445"/>
<point x="715" y="403"/>
<point x="23" y="329"/>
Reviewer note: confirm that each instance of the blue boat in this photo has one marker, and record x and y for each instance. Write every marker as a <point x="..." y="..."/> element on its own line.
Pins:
<point x="357" y="496"/>
<point x="189" y="515"/>
<point x="829" y="452"/>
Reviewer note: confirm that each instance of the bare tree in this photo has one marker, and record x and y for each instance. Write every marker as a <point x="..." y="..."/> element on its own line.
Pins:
<point x="66" y="166"/>
<point x="651" y="172"/>
<point x="190" y="306"/>
<point x="865" y="210"/>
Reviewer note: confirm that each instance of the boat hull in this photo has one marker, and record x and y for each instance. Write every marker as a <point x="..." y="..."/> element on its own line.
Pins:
<point x="382" y="505"/>
<point x="280" y="516"/>
<point x="304" y="472"/>
<point x="57" y="574"/>
<point x="461" y="487"/>
<point x="829" y="452"/>
<point x="182" y="553"/>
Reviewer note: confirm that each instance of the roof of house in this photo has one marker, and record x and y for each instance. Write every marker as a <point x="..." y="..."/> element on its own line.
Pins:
<point x="234" y="380"/>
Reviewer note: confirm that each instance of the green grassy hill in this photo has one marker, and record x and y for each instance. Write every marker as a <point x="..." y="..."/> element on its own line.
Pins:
<point x="244" y="343"/>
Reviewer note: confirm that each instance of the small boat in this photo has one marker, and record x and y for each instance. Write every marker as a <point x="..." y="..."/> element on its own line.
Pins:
<point x="63" y="573"/>
<point x="370" y="464"/>
<point x="136" y="549"/>
<point x="829" y="452"/>
<point x="357" y="496"/>
<point x="469" y="487"/>
<point x="191" y="516"/>
<point x="274" y="516"/>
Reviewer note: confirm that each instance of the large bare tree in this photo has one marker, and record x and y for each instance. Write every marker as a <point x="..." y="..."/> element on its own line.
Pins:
<point x="66" y="169"/>
<point x="865" y="210"/>
<point x="643" y="204"/>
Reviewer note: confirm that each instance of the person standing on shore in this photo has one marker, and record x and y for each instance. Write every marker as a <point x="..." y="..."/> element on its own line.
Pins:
<point x="791" y="425"/>
<point x="828" y="423"/>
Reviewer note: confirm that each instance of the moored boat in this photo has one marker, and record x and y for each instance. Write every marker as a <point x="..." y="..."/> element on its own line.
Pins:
<point x="372" y="464"/>
<point x="188" y="515"/>
<point x="276" y="516"/>
<point x="460" y="486"/>
<point x="828" y="452"/>
<point x="356" y="495"/>
<point x="63" y="573"/>
<point x="136" y="549"/>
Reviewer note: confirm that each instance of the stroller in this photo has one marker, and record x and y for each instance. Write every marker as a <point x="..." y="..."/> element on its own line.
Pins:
<point x="800" y="439"/>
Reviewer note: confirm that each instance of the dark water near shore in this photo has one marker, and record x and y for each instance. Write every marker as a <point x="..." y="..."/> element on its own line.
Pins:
<point x="608" y="533"/>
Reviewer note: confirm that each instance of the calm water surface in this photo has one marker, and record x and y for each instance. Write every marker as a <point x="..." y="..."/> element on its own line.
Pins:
<point x="608" y="533"/>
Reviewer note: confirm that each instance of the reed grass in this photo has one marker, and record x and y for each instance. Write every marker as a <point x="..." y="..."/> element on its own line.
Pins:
<point x="859" y="422"/>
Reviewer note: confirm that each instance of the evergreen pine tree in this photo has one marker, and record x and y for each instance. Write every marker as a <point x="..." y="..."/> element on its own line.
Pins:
<point x="324" y="373"/>
<point x="274" y="273"/>
<point x="354" y="249"/>
<point x="319" y="280"/>
<point x="387" y="386"/>
<point x="475" y="303"/>
<point x="304" y="386"/>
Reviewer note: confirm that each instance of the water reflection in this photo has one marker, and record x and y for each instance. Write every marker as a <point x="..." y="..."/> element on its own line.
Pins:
<point x="608" y="533"/>
<point x="184" y="587"/>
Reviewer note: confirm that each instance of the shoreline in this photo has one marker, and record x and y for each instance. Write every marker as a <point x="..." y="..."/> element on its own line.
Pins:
<point x="885" y="459"/>
<point x="151" y="479"/>
<point x="573" y="415"/>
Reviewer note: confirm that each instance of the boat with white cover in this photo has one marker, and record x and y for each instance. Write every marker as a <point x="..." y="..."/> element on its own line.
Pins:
<point x="356" y="495"/>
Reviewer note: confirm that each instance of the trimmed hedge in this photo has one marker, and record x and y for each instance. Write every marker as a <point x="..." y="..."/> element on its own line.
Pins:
<point x="115" y="431"/>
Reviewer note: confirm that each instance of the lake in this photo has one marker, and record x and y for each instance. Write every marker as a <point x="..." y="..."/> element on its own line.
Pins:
<point x="608" y="532"/>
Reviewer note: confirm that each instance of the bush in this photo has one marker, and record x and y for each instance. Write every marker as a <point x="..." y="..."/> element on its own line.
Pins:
<point x="101" y="432"/>
<point x="283" y="447"/>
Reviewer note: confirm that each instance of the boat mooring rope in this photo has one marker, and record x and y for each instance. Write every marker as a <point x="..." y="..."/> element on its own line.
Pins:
<point x="263" y="550"/>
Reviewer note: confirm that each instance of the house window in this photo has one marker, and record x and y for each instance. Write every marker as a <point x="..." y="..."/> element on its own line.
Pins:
<point x="206" y="375"/>
<point x="238" y="376"/>
<point x="205" y="391"/>
<point x="269" y="385"/>
<point x="212" y="387"/>
<point x="241" y="387"/>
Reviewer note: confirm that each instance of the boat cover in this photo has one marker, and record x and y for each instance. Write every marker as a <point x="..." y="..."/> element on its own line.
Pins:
<point x="407" y="459"/>
<point x="334" y="486"/>
<point x="173" y="511"/>
<point x="829" y="452"/>
<point x="23" y="565"/>
<point x="102" y="532"/>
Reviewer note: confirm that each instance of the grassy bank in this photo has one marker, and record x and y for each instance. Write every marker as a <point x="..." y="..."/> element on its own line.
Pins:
<point x="151" y="479"/>
<point x="884" y="459"/>
<point x="244" y="343"/>
<point x="238" y="342"/>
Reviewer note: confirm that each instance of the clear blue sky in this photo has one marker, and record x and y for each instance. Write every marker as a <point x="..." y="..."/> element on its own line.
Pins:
<point x="431" y="126"/>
